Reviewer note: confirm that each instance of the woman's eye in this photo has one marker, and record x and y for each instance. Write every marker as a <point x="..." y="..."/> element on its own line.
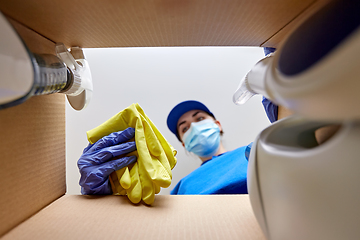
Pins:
<point x="184" y="129"/>
<point x="200" y="119"/>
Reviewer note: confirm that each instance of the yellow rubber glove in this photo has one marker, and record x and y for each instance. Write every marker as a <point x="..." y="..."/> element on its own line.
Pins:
<point x="156" y="157"/>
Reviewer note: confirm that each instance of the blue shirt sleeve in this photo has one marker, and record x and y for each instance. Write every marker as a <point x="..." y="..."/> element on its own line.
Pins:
<point x="175" y="191"/>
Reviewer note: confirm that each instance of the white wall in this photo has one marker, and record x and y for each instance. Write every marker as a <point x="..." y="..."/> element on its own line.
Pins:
<point x="158" y="79"/>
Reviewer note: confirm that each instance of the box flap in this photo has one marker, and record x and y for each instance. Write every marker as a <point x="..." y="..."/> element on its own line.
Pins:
<point x="286" y="30"/>
<point x="171" y="217"/>
<point x="150" y="23"/>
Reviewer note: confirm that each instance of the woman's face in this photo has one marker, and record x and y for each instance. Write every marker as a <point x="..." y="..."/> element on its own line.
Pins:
<point x="191" y="116"/>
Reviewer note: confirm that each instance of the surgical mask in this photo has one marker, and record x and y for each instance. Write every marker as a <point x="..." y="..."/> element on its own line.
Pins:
<point x="202" y="138"/>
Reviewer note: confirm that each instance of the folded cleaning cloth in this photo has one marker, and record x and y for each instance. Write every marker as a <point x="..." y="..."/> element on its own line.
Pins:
<point x="155" y="156"/>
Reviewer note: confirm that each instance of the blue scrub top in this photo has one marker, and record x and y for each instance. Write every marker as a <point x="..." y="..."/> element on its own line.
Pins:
<point x="223" y="174"/>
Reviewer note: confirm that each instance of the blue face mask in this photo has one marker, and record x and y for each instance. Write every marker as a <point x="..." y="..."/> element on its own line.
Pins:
<point x="203" y="138"/>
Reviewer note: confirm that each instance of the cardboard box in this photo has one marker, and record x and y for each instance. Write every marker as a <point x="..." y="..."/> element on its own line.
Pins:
<point x="34" y="203"/>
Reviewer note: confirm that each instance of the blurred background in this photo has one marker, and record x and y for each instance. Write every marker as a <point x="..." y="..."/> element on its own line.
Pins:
<point x="158" y="79"/>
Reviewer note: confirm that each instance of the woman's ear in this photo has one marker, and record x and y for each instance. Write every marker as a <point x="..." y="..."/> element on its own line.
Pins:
<point x="219" y="124"/>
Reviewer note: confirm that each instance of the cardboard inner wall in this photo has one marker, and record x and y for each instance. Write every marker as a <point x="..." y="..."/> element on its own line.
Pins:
<point x="32" y="149"/>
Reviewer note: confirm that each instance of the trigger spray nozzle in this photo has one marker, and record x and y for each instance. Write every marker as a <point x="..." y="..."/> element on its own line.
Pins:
<point x="26" y="74"/>
<point x="243" y="93"/>
<point x="254" y="82"/>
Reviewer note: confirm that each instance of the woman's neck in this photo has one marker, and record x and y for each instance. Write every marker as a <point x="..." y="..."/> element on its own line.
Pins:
<point x="220" y="151"/>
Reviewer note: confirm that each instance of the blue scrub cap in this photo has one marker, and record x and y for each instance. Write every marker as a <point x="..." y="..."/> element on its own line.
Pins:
<point x="182" y="108"/>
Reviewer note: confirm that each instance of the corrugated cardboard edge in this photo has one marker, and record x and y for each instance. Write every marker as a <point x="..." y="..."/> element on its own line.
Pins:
<point x="170" y="217"/>
<point x="143" y="23"/>
<point x="32" y="149"/>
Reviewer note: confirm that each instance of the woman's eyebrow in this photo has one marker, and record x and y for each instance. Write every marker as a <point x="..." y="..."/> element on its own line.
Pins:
<point x="185" y="121"/>
<point x="195" y="113"/>
<point x="181" y="123"/>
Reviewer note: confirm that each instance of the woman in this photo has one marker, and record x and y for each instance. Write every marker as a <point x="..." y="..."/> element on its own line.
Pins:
<point x="221" y="171"/>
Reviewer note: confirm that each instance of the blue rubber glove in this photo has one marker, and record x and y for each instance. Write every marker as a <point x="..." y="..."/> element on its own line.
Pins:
<point x="94" y="164"/>
<point x="271" y="109"/>
<point x="268" y="50"/>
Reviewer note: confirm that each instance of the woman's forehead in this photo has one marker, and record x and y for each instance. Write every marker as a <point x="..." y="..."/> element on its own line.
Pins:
<point x="189" y="115"/>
